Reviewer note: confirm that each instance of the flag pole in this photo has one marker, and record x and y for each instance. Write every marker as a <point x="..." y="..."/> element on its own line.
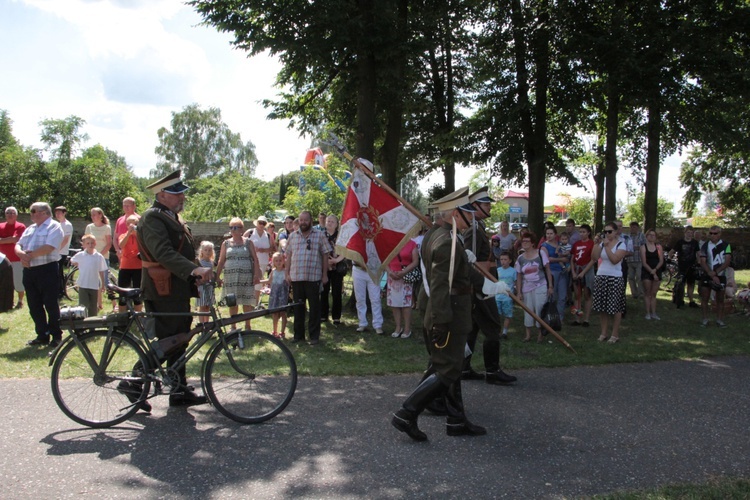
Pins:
<point x="385" y="187"/>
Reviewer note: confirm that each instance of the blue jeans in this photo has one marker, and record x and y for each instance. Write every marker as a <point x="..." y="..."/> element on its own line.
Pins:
<point x="562" y="282"/>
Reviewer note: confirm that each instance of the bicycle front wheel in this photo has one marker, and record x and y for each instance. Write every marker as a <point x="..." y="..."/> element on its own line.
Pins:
<point x="253" y="380"/>
<point x="100" y="382"/>
<point x="71" y="288"/>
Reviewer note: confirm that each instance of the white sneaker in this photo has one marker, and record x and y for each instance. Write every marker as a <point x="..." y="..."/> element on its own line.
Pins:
<point x="362" y="329"/>
<point x="648" y="316"/>
<point x="379" y="331"/>
<point x="654" y="316"/>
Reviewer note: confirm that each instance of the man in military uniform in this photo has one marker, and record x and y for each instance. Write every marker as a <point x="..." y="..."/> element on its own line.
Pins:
<point x="447" y="320"/>
<point x="166" y="243"/>
<point x="484" y="312"/>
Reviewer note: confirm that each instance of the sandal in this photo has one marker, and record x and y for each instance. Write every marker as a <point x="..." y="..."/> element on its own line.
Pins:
<point x="602" y="338"/>
<point x="406" y="335"/>
<point x="397" y="333"/>
<point x="613" y="340"/>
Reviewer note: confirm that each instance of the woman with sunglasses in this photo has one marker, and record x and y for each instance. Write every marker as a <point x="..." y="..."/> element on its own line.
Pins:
<point x="534" y="280"/>
<point x="242" y="271"/>
<point x="609" y="289"/>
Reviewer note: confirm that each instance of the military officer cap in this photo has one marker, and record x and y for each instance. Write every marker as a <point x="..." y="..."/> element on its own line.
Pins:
<point x="481" y="196"/>
<point x="457" y="199"/>
<point x="171" y="183"/>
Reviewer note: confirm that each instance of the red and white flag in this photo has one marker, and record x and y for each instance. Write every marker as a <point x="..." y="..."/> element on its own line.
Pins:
<point x="374" y="226"/>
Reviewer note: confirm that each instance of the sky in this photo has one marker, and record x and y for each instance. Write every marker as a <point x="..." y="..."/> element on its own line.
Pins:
<point x="125" y="66"/>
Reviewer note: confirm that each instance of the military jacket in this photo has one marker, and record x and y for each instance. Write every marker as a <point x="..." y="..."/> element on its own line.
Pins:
<point x="168" y="240"/>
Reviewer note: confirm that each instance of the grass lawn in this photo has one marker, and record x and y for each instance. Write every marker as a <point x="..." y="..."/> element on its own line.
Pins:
<point x="343" y="351"/>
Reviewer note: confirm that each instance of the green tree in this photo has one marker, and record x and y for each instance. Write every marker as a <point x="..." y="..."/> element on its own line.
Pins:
<point x="24" y="177"/>
<point x="581" y="210"/>
<point x="99" y="178"/>
<point x="316" y="193"/>
<point x="6" y="130"/>
<point x="202" y="145"/>
<point x="62" y="138"/>
<point x="229" y="194"/>
<point x="636" y="212"/>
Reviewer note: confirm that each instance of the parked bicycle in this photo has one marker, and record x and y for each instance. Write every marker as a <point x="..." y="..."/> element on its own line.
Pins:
<point x="108" y="366"/>
<point x="670" y="273"/>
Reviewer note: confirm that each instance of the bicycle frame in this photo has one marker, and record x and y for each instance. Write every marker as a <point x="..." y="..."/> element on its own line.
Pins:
<point x="150" y="345"/>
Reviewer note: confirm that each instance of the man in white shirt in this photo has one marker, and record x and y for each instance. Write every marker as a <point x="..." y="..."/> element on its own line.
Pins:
<point x="38" y="250"/>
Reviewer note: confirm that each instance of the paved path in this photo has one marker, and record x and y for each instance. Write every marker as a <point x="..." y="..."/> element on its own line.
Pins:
<point x="557" y="433"/>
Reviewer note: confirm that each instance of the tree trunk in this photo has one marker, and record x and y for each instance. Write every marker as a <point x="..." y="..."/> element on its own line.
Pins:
<point x="366" y="98"/>
<point x="653" y="158"/>
<point x="395" y="107"/>
<point x="534" y="139"/>
<point x="610" y="154"/>
<point x="599" y="178"/>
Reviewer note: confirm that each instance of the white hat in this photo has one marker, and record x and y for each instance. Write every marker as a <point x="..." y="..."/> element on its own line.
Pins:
<point x="457" y="199"/>
<point x="171" y="183"/>
<point x="262" y="218"/>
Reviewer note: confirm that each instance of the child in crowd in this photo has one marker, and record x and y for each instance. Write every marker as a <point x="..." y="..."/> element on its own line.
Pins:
<point x="506" y="274"/>
<point x="92" y="274"/>
<point x="206" y="258"/>
<point x="563" y="250"/>
<point x="279" y="293"/>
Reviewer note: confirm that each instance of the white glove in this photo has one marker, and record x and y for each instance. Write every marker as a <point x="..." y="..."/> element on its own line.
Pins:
<point x="490" y="288"/>
<point x="472" y="258"/>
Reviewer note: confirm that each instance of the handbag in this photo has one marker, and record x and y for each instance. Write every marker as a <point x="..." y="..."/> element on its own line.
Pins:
<point x="413" y="276"/>
<point x="551" y="315"/>
<point x="341" y="267"/>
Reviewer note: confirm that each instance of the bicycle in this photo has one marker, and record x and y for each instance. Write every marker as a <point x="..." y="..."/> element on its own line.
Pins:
<point x="70" y="287"/>
<point x="108" y="366"/>
<point x="670" y="273"/>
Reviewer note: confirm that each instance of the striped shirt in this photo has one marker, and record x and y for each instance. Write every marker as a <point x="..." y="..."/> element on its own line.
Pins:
<point x="305" y="254"/>
<point x="48" y="233"/>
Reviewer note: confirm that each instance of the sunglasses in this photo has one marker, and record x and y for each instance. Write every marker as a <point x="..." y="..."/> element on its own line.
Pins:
<point x="234" y="228"/>
<point x="609" y="231"/>
<point x="713" y="233"/>
<point x="261" y="223"/>
<point x="308" y="244"/>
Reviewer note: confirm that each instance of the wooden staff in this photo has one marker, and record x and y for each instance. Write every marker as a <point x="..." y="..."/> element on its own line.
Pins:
<point x="341" y="149"/>
<point x="528" y="310"/>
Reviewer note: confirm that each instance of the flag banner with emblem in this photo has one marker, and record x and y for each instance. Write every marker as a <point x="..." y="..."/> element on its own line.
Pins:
<point x="375" y="226"/>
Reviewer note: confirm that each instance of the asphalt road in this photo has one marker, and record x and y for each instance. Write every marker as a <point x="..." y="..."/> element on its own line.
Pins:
<point x="557" y="433"/>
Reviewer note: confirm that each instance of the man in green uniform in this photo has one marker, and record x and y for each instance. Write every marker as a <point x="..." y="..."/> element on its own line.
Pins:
<point x="169" y="271"/>
<point x="484" y="314"/>
<point x="447" y="320"/>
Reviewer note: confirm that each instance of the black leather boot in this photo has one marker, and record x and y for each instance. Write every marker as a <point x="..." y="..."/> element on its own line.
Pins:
<point x="467" y="372"/>
<point x="494" y="375"/>
<point x="185" y="395"/>
<point x="456" y="424"/>
<point x="405" y="419"/>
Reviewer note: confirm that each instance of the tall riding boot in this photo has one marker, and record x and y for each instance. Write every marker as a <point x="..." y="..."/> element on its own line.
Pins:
<point x="494" y="375"/>
<point x="467" y="372"/>
<point x="405" y="419"/>
<point x="437" y="405"/>
<point x="457" y="424"/>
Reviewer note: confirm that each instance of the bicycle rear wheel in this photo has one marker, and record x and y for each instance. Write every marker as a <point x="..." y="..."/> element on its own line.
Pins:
<point x="100" y="397"/>
<point x="252" y="381"/>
